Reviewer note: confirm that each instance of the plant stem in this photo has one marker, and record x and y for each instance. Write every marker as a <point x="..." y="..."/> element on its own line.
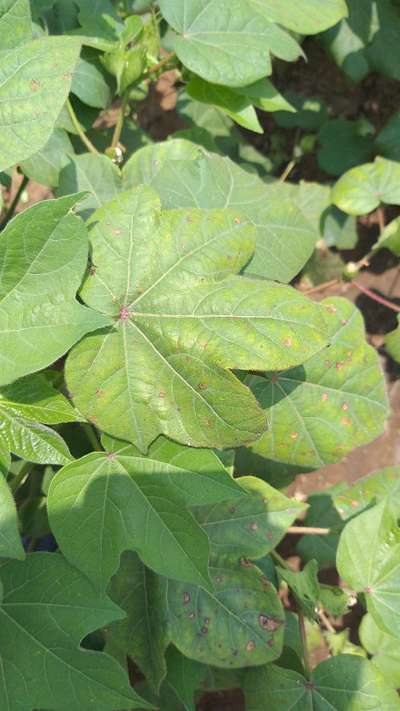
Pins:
<point x="309" y="529"/>
<point x="287" y="171"/>
<point x="161" y="64"/>
<point x="10" y="211"/>
<point x="120" y="121"/>
<point x="92" y="437"/>
<point x="303" y="637"/>
<point x="381" y="220"/>
<point x="20" y="477"/>
<point x="32" y="545"/>
<point x="321" y="287"/>
<point x="376" y="297"/>
<point x="326" y="622"/>
<point x="82" y="135"/>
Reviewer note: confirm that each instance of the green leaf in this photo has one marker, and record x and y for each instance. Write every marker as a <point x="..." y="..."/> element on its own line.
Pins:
<point x="304" y="586"/>
<point x="238" y="107"/>
<point x="36" y="79"/>
<point x="368" y="559"/>
<point x="251" y="526"/>
<point x="333" y="599"/>
<point x="23" y="406"/>
<point x="310" y="112"/>
<point x="184" y="678"/>
<point x="285" y="239"/>
<point x="226" y="45"/>
<point x="240" y="624"/>
<point x="15" y="23"/>
<point x="132" y="507"/>
<point x="343" y="146"/>
<point x="47" y="609"/>
<point x="141" y="634"/>
<point x="339" y="229"/>
<point x="307" y="18"/>
<point x="343" y="683"/>
<point x="94" y="174"/>
<point x="390" y="237"/>
<point x="181" y="319"/>
<point x="40" y="318"/>
<point x="45" y="166"/>
<point x="264" y="95"/>
<point x="383" y="484"/>
<point x="347" y="42"/>
<point x="10" y="540"/>
<point x="89" y="85"/>
<point x="392" y="344"/>
<point x="384" y="649"/>
<point x="334" y="402"/>
<point x="387" y="141"/>
<point x="363" y="189"/>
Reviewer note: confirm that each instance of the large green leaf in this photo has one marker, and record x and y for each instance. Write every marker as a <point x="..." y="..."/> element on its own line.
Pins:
<point x="343" y="683"/>
<point x="47" y="609"/>
<point x="384" y="649"/>
<point x="368" y="559"/>
<point x="181" y="319"/>
<point x="306" y="17"/>
<point x="251" y="526"/>
<point x="10" y="541"/>
<point x="142" y="634"/>
<point x="43" y="252"/>
<point x="26" y="404"/>
<point x="285" y="239"/>
<point x="334" y="402"/>
<point x="35" y="82"/>
<point x="240" y="624"/>
<point x="15" y="23"/>
<point x="226" y="44"/>
<point x="132" y="506"/>
<point x="362" y="189"/>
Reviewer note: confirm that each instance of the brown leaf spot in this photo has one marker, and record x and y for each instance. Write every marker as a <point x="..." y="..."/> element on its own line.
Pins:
<point x="232" y="510"/>
<point x="253" y="526"/>
<point x="202" y="386"/>
<point x="34" y="84"/>
<point x="246" y="563"/>
<point x="287" y="342"/>
<point x="204" y="630"/>
<point x="116" y="231"/>
<point x="368" y="589"/>
<point x="325" y="397"/>
<point x="268" y="623"/>
<point x="339" y="364"/>
<point x="186" y="598"/>
<point x="162" y="394"/>
<point x="331" y="308"/>
<point x="237" y="220"/>
<point x="274" y="378"/>
<point x="345" y="406"/>
<point x="206" y="620"/>
<point x="250" y="645"/>
<point x="294" y="435"/>
<point x="354" y="503"/>
<point x="345" y="421"/>
<point x="92" y="270"/>
<point x="269" y="536"/>
<point x="344" y="322"/>
<point x="191" y="615"/>
<point x="99" y="392"/>
<point x="189" y="218"/>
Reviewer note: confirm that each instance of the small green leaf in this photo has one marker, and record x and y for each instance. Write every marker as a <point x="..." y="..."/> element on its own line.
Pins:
<point x="10" y="540"/>
<point x="40" y="318"/>
<point x="304" y="586"/>
<point x="182" y="318"/>
<point x="184" y="678"/>
<point x="333" y="599"/>
<point x="368" y="560"/>
<point x="15" y="23"/>
<point x="240" y="624"/>
<point x="392" y="344"/>
<point x="363" y="189"/>
<point x="342" y="683"/>
<point x="390" y="237"/>
<point x="45" y="166"/>
<point x="251" y="526"/>
<point x="141" y="634"/>
<point x="263" y="95"/>
<point x="89" y="85"/>
<point x="94" y="174"/>
<point x="331" y="404"/>
<point x="48" y="608"/>
<point x="384" y="649"/>
<point x="132" y="507"/>
<point x="238" y="107"/>
<point x="36" y="79"/>
<point x="343" y="146"/>
<point x="226" y="45"/>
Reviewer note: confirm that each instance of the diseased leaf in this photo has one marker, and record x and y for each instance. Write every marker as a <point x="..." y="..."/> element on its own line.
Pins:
<point x="224" y="44"/>
<point x="35" y="82"/>
<point x="10" y="540"/>
<point x="240" y="624"/>
<point x="342" y="683"/>
<point x="384" y="649"/>
<point x="141" y="634"/>
<point x="368" y="559"/>
<point x="47" y="609"/>
<point x="332" y="403"/>
<point x="383" y="484"/>
<point x="15" y="23"/>
<point x="181" y="319"/>
<point x="132" y="507"/>
<point x="285" y="239"/>
<point x="43" y="252"/>
<point x="251" y="526"/>
<point x="362" y="189"/>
